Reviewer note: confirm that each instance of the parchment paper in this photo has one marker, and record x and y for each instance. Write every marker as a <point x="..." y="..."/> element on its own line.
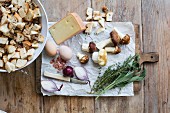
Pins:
<point x="71" y="89"/>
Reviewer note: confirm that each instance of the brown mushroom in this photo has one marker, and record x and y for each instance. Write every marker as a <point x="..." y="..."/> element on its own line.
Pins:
<point x="114" y="50"/>
<point x="91" y="47"/>
<point x="83" y="58"/>
<point x="114" y="39"/>
<point x="123" y="38"/>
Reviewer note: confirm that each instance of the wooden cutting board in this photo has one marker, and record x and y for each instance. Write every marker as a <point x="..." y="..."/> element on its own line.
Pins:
<point x="145" y="57"/>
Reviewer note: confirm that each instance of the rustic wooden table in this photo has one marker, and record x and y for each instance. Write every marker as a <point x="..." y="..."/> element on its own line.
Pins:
<point x="17" y="90"/>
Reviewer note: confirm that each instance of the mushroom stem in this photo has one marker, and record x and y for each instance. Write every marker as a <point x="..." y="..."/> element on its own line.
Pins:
<point x="85" y="47"/>
<point x="114" y="50"/>
<point x="121" y="35"/>
<point x="102" y="44"/>
<point x="95" y="57"/>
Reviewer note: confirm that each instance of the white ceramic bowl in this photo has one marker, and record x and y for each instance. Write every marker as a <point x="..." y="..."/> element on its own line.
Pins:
<point x="44" y="30"/>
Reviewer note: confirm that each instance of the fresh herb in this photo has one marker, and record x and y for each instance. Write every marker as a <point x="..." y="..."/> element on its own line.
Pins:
<point x="124" y="74"/>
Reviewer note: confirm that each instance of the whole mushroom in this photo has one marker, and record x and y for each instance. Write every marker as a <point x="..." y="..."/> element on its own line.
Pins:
<point x="114" y="50"/>
<point x="100" y="57"/>
<point x="124" y="38"/>
<point x="91" y="47"/>
<point x="82" y="58"/>
<point x="114" y="39"/>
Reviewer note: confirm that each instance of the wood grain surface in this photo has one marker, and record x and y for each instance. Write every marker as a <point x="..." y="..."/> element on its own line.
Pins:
<point x="17" y="90"/>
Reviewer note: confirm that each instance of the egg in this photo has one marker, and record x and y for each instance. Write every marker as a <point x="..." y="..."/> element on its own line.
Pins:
<point x="51" y="48"/>
<point x="65" y="52"/>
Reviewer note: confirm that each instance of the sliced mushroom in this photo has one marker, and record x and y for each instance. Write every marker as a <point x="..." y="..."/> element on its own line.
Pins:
<point x="100" y="30"/>
<point x="89" y="13"/>
<point x="16" y="15"/>
<point x="4" y="19"/>
<point x="40" y="38"/>
<point x="20" y="25"/>
<point x="2" y="50"/>
<point x="22" y="12"/>
<point x="83" y="58"/>
<point x="1" y="63"/>
<point x="89" y="27"/>
<point x="21" y="63"/>
<point x="29" y="16"/>
<point x="96" y="15"/>
<point x="102" y="57"/>
<point x="4" y="28"/>
<point x="9" y="67"/>
<point x="101" y="22"/>
<point x="5" y="58"/>
<point x="10" y="56"/>
<point x="3" y="40"/>
<point x="114" y="50"/>
<point x="0" y="54"/>
<point x="14" y="61"/>
<point x="23" y="53"/>
<point x="11" y="48"/>
<point x="35" y="44"/>
<point x="36" y="27"/>
<point x="30" y="52"/>
<point x="37" y="13"/>
<point x="16" y="55"/>
<point x="20" y="37"/>
<point x="109" y="16"/>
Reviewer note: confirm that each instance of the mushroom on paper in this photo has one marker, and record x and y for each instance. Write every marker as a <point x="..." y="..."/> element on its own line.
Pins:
<point x="91" y="47"/>
<point x="124" y="38"/>
<point x="100" y="57"/>
<point x="113" y="39"/>
<point x="114" y="50"/>
<point x="83" y="58"/>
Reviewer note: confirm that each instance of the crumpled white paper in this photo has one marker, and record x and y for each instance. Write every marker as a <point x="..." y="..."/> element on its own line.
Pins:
<point x="71" y="89"/>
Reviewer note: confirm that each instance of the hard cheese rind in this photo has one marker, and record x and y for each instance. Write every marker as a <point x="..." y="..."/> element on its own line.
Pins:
<point x="66" y="28"/>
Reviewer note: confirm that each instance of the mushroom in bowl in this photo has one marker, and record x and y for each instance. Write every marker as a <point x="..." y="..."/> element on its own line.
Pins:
<point x="23" y="31"/>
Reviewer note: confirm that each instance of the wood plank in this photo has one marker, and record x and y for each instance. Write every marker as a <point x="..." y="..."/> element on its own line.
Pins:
<point x="17" y="93"/>
<point x="57" y="9"/>
<point x="156" y="32"/>
<point x="123" y="11"/>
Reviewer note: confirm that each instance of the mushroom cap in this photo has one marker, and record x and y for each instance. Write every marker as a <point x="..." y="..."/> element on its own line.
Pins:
<point x="115" y="38"/>
<point x="125" y="40"/>
<point x="84" y="59"/>
<point x="92" y="47"/>
<point x="117" y="50"/>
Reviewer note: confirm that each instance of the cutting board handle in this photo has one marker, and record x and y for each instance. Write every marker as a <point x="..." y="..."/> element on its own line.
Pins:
<point x="149" y="57"/>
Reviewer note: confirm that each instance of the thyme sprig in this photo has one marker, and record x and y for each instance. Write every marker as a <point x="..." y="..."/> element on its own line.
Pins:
<point x="124" y="74"/>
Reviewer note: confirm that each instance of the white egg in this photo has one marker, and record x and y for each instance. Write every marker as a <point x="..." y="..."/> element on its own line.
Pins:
<point x="65" y="52"/>
<point x="51" y="48"/>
